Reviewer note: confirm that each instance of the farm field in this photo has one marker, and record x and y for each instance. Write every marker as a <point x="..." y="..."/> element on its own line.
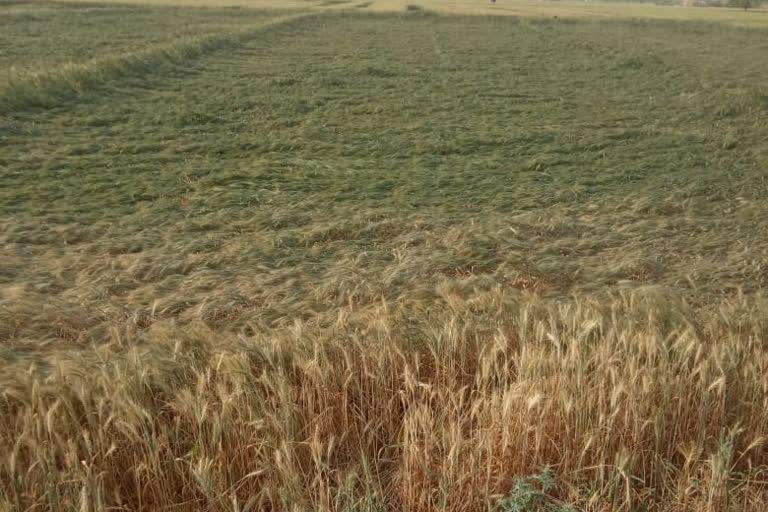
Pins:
<point x="363" y="257"/>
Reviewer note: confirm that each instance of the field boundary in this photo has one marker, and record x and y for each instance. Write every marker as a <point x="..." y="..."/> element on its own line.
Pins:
<point x="46" y="89"/>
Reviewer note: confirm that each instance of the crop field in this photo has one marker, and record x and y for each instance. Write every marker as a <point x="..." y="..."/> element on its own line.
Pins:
<point x="365" y="256"/>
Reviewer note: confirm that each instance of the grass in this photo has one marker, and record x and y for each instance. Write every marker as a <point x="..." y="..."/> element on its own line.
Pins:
<point x="33" y="39"/>
<point x="383" y="261"/>
<point x="50" y="86"/>
<point x="591" y="9"/>
<point x="580" y="10"/>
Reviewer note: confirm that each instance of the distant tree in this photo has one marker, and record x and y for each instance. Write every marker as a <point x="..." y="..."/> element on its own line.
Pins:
<point x="744" y="4"/>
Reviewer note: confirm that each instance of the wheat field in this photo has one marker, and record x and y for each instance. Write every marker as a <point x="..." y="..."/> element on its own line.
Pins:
<point x="368" y="257"/>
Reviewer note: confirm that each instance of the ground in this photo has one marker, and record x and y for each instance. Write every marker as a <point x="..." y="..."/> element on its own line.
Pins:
<point x="561" y="205"/>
